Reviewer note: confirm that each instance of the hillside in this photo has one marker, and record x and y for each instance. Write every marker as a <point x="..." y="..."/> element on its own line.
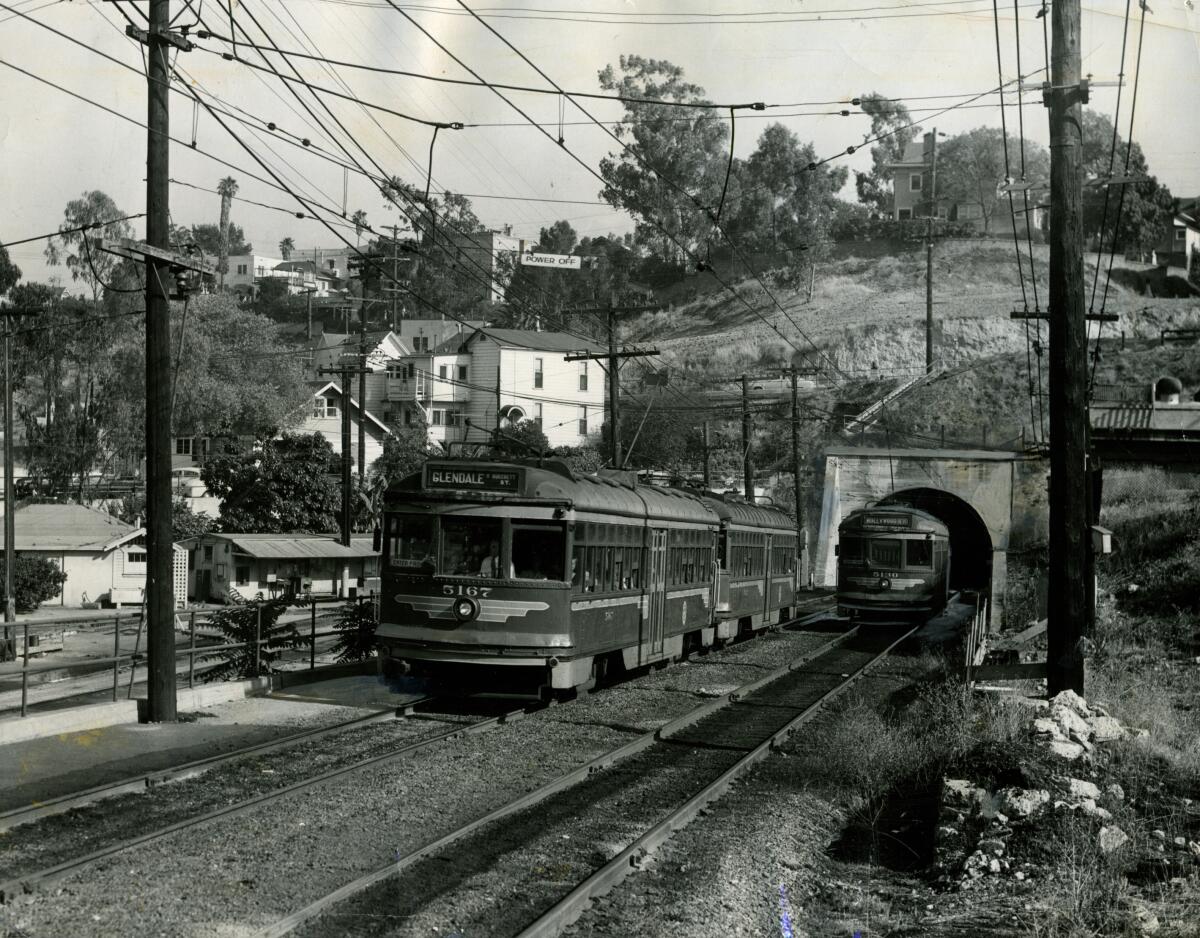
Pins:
<point x="868" y="312"/>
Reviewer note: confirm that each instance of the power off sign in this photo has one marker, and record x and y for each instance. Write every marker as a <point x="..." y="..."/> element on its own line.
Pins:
<point x="558" y="261"/>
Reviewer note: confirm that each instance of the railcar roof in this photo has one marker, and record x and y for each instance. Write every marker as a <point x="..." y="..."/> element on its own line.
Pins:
<point x="736" y="510"/>
<point x="618" y="492"/>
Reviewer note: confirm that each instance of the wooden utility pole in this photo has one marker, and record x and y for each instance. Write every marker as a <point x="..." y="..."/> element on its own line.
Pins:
<point x="395" y="274"/>
<point x="747" y="461"/>
<point x="707" y="471"/>
<point x="160" y="551"/>
<point x="362" y="392"/>
<point x="1069" y="534"/>
<point x="801" y="500"/>
<point x="929" y="256"/>
<point x="10" y="596"/>
<point x="344" y="374"/>
<point x="613" y="357"/>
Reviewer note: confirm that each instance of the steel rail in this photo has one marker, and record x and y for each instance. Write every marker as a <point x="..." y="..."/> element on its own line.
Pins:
<point x="138" y="783"/>
<point x="568" y="909"/>
<point x="293" y="921"/>
<point x="26" y="882"/>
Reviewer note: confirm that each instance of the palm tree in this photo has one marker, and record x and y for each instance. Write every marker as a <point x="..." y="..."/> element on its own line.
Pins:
<point x="227" y="188"/>
<point x="286" y="246"/>
<point x="360" y="222"/>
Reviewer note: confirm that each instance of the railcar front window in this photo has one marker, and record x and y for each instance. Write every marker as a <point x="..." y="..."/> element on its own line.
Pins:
<point x="471" y="547"/>
<point x="919" y="553"/>
<point x="410" y="541"/>
<point x="851" y="549"/>
<point x="886" y="551"/>
<point x="539" y="551"/>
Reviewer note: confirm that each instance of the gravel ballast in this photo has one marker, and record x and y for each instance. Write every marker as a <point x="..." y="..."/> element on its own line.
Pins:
<point x="248" y="871"/>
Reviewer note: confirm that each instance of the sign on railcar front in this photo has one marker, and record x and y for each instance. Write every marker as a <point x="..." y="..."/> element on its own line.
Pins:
<point x="459" y="478"/>
<point x="888" y="522"/>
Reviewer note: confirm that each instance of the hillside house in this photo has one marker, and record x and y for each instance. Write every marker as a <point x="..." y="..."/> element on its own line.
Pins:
<point x="252" y="566"/>
<point x="325" y="418"/>
<point x="466" y="387"/>
<point x="912" y="181"/>
<point x="245" y="269"/>
<point x="103" y="557"/>
<point x="1181" y="242"/>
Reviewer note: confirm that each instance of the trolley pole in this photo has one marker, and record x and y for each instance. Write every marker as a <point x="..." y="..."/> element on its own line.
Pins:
<point x="1068" y="361"/>
<point x="747" y="460"/>
<point x="362" y="393"/>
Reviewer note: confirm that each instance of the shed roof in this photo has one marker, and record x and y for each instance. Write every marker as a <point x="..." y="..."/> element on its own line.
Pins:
<point x="69" y="527"/>
<point x="295" y="546"/>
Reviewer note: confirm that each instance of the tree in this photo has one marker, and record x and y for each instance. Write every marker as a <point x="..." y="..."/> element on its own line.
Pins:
<point x="360" y="222"/>
<point x="404" y="452"/>
<point x="257" y="628"/>
<point x="227" y="188"/>
<point x="230" y="379"/>
<point x="1146" y="207"/>
<point x="671" y="152"/>
<point x="35" y="580"/>
<point x="286" y="246"/>
<point x="285" y="485"/>
<point x="185" y="522"/>
<point x="208" y="239"/>
<point x="891" y="121"/>
<point x="523" y="440"/>
<point x="10" y="273"/>
<point x="971" y="167"/>
<point x="95" y="268"/>
<point x="784" y="204"/>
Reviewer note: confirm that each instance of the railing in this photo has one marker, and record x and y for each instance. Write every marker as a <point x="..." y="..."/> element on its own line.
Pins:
<point x="136" y="656"/>
<point x="977" y="636"/>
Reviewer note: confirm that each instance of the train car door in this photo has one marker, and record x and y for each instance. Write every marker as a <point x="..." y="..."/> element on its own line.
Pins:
<point x="657" y="613"/>
<point x="766" y="612"/>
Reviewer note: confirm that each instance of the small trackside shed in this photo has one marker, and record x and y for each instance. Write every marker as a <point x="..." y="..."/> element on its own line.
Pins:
<point x="250" y="566"/>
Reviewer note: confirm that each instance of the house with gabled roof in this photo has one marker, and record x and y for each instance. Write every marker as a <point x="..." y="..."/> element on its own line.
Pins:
<point x="325" y="418"/>
<point x="103" y="557"/>
<point x="473" y="383"/>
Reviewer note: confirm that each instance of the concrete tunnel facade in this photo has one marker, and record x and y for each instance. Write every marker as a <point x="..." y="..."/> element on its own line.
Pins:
<point x="993" y="501"/>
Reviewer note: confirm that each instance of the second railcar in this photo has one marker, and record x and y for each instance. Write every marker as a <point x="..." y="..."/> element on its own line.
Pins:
<point x="893" y="562"/>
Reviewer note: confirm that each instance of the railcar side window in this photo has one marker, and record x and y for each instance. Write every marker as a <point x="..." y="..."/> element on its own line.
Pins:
<point x="471" y="547"/>
<point x="539" y="551"/>
<point x="885" y="551"/>
<point x="410" y="540"/>
<point x="919" y="553"/>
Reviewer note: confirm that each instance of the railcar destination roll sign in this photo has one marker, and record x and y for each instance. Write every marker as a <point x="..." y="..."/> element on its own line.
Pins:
<point x="471" y="478"/>
<point x="887" y="522"/>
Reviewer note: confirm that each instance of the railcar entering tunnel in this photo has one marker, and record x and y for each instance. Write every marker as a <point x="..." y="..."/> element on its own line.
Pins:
<point x="970" y="543"/>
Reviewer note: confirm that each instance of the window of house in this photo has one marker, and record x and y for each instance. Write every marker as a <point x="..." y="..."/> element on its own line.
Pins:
<point x="441" y="371"/>
<point x="421" y="343"/>
<point x="914" y="182"/>
<point x="454" y="418"/>
<point x="439" y="418"/>
<point x="1180" y="234"/>
<point x="241" y="574"/>
<point x="537" y="372"/>
<point x="183" y="446"/>
<point x="323" y="407"/>
<point x="136" y="558"/>
<point x="462" y="372"/>
<point x="537" y="414"/>
<point x="241" y="268"/>
<point x="583" y="423"/>
<point x="904" y="213"/>
<point x="583" y="378"/>
<point x="208" y="553"/>
<point x="396" y="371"/>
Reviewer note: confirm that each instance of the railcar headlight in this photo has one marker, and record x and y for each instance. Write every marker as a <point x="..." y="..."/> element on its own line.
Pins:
<point x="885" y="584"/>
<point x="465" y="609"/>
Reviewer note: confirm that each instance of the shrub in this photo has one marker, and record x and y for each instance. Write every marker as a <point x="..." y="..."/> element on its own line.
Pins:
<point x="240" y="624"/>
<point x="356" y="624"/>
<point x="35" y="579"/>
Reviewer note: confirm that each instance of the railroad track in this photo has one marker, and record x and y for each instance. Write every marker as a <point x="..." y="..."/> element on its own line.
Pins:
<point x="42" y="877"/>
<point x="705" y="750"/>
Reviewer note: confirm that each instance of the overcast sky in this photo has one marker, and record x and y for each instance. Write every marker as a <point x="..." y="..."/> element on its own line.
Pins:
<point x="53" y="147"/>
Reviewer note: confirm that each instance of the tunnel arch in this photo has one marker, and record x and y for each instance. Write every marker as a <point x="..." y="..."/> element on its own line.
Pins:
<point x="970" y="542"/>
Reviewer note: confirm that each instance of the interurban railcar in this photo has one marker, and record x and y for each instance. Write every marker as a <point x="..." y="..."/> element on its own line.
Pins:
<point x="512" y="574"/>
<point x="893" y="563"/>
